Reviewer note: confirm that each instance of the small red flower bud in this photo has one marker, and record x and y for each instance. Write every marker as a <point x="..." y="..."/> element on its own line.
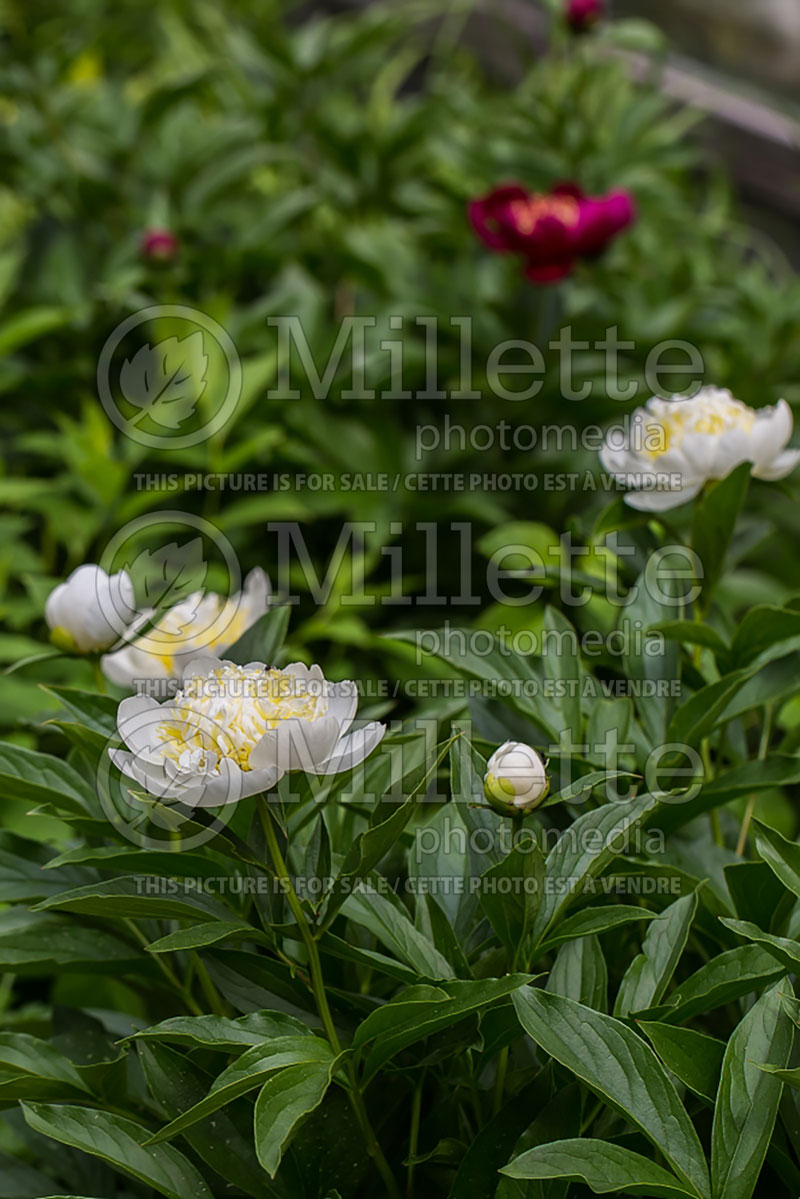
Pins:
<point x="159" y="245"/>
<point x="550" y="231"/>
<point x="582" y="14"/>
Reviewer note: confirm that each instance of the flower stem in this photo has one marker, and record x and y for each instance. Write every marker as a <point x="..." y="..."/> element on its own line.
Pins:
<point x="99" y="677"/>
<point x="413" y="1136"/>
<point x="500" y="1081"/>
<point x="169" y="974"/>
<point x="763" y="746"/>
<point x="321" y="999"/>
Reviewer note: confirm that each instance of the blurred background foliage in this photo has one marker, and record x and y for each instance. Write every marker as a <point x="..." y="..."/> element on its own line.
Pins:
<point x="321" y="166"/>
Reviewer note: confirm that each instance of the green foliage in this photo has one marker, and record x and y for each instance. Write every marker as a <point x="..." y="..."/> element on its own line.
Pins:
<point x="374" y="983"/>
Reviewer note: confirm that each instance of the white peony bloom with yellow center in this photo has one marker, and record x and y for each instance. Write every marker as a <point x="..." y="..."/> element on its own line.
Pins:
<point x="91" y="610"/>
<point x="203" y="622"/>
<point x="673" y="447"/>
<point x="233" y="731"/>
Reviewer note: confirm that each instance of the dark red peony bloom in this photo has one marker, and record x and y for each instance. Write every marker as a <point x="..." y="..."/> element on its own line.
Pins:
<point x="582" y="14"/>
<point x="550" y="230"/>
<point x="161" y="245"/>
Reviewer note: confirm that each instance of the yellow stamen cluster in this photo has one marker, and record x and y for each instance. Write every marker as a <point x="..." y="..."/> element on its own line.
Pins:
<point x="666" y="426"/>
<point x="227" y="711"/>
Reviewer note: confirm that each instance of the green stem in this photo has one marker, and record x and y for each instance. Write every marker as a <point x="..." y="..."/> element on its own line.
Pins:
<point x="413" y="1136"/>
<point x="763" y="746"/>
<point x="500" y="1081"/>
<point x="99" y="677"/>
<point x="169" y="974"/>
<point x="708" y="774"/>
<point x="321" y="999"/>
<point x="211" y="993"/>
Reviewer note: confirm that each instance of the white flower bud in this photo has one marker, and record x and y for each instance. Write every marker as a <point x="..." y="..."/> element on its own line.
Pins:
<point x="516" y="780"/>
<point x="91" y="610"/>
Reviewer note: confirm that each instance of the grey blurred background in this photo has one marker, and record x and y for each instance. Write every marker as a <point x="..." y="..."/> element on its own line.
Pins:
<point x="757" y="40"/>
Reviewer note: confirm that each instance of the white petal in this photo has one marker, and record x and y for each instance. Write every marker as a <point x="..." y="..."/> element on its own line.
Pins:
<point x="661" y="501"/>
<point x="256" y="594"/>
<point x="779" y="467"/>
<point x="342" y="703"/>
<point x="138" y="721"/>
<point x="201" y="666"/>
<point x="54" y="608"/>
<point x="296" y="745"/>
<point x="771" y="433"/>
<point x="354" y="748"/>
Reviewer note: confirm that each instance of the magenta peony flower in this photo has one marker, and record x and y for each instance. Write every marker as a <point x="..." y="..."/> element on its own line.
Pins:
<point x="582" y="14"/>
<point x="160" y="245"/>
<point x="549" y="230"/>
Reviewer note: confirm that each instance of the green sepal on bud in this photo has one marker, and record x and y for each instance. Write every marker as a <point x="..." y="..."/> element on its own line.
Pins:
<point x="62" y="639"/>
<point x="516" y="780"/>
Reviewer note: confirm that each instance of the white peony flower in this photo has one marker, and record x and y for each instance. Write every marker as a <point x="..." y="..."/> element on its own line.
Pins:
<point x="516" y="779"/>
<point x="91" y="610"/>
<point x="673" y="447"/>
<point x="233" y="731"/>
<point x="200" y="623"/>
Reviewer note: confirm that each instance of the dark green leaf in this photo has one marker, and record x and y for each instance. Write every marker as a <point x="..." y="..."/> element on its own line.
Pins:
<point x="579" y="972"/>
<point x="282" y="1103"/>
<point x="602" y="1166"/>
<point x="648" y="975"/>
<point x="747" y="1101"/>
<point x="121" y="1143"/>
<point x="248" y="1072"/>
<point x="619" y="1067"/>
<point x="693" y="1057"/>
